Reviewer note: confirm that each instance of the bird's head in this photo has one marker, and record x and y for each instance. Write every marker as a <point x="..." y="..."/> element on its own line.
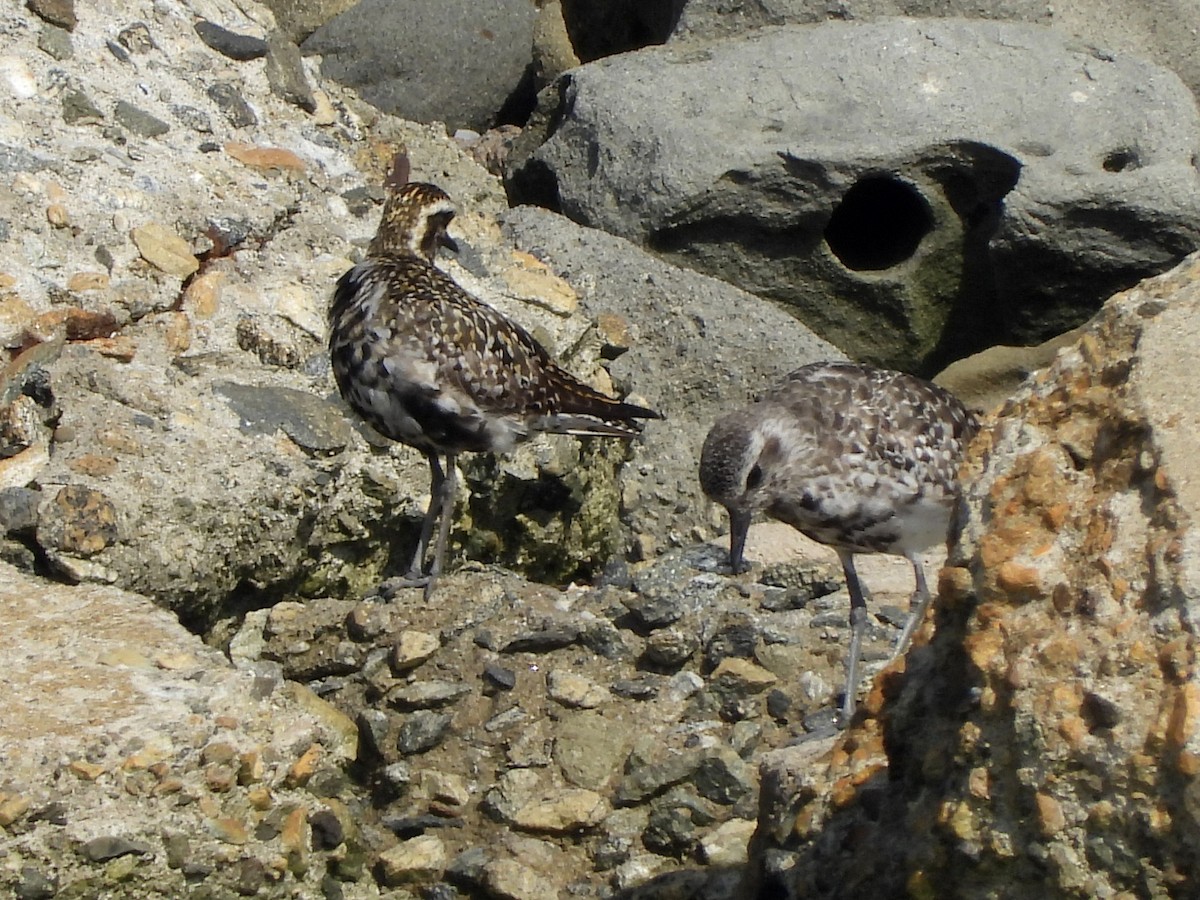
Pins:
<point x="735" y="470"/>
<point x="414" y="222"/>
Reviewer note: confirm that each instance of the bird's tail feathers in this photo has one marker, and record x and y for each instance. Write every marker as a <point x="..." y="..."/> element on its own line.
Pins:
<point x="575" y="399"/>
<point x="583" y="426"/>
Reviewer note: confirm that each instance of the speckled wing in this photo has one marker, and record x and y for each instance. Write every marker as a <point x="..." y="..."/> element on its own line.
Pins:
<point x="895" y="418"/>
<point x="870" y="445"/>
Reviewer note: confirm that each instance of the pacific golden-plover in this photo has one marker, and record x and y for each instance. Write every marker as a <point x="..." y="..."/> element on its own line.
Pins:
<point x="861" y="459"/>
<point x="425" y="363"/>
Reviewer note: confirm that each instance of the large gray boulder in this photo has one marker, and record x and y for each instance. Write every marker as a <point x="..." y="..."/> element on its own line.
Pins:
<point x="914" y="191"/>
<point x="456" y="62"/>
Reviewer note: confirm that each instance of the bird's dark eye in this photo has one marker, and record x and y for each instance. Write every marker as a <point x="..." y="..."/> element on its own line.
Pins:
<point x="755" y="478"/>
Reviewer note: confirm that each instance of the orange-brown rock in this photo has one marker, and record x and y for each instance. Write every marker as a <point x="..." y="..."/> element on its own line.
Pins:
<point x="265" y="158"/>
<point x="1060" y="686"/>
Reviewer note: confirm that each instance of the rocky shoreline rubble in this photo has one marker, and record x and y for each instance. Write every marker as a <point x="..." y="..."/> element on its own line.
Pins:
<point x="203" y="694"/>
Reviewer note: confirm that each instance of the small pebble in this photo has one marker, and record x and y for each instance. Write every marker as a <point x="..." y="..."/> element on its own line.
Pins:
<point x="421" y="731"/>
<point x="500" y="677"/>
<point x="235" y="46"/>
<point x="18" y="78"/>
<point x="107" y="847"/>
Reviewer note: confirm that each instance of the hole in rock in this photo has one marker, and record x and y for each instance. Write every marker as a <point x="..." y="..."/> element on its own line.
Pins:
<point x="1121" y="159"/>
<point x="597" y="30"/>
<point x="879" y="224"/>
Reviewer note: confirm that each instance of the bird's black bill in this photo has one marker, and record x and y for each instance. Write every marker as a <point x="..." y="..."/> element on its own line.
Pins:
<point x="448" y="242"/>
<point x="739" y="526"/>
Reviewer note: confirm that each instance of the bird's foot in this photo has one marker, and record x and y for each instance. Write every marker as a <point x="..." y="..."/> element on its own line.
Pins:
<point x="739" y="568"/>
<point x="388" y="589"/>
<point x="845" y="712"/>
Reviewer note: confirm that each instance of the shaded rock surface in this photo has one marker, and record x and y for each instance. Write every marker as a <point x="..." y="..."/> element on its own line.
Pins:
<point x="604" y="29"/>
<point x="985" y="380"/>
<point x="907" y="214"/>
<point x="374" y="745"/>
<point x="458" y="62"/>
<point x="1044" y="738"/>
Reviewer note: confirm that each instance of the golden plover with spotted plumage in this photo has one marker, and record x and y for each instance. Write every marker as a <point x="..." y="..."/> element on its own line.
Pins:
<point x="427" y="364"/>
<point x="861" y="459"/>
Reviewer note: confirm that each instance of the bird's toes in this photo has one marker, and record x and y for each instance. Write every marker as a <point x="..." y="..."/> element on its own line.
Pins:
<point x="845" y="713"/>
<point x="388" y="589"/>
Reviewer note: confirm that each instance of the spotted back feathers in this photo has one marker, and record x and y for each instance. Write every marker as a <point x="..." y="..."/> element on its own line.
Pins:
<point x="427" y="364"/>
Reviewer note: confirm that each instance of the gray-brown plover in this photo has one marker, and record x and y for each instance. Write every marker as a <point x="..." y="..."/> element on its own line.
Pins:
<point x="864" y="460"/>
<point x="427" y="364"/>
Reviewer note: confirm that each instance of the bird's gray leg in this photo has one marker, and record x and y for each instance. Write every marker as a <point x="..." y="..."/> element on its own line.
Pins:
<point x="858" y="625"/>
<point x="916" y="607"/>
<point x="416" y="568"/>
<point x="415" y="576"/>
<point x="446" y="502"/>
